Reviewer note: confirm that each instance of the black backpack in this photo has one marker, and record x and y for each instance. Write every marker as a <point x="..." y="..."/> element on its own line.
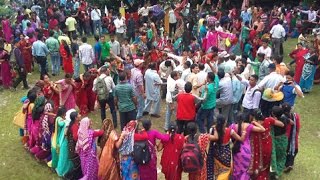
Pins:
<point x="141" y="152"/>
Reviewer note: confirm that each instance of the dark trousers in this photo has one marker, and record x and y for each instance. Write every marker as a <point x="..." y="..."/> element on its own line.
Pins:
<point x="290" y="158"/>
<point x="110" y="102"/>
<point x="172" y="28"/>
<point x="81" y="28"/>
<point x="126" y="117"/>
<point x="164" y="89"/>
<point x="131" y="36"/>
<point x="22" y="77"/>
<point x="202" y="116"/>
<point x="248" y="111"/>
<point x="71" y="33"/>
<point x="182" y="126"/>
<point x="266" y="107"/>
<point x="42" y="61"/>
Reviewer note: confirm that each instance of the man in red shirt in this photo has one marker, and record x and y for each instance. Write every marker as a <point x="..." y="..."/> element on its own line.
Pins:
<point x="186" y="108"/>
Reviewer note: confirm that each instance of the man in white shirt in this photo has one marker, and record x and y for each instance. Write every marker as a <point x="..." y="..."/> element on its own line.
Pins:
<point x="202" y="76"/>
<point x="270" y="81"/>
<point x="165" y="69"/>
<point x="96" y="20"/>
<point x="114" y="46"/>
<point x="120" y="27"/>
<point x="265" y="49"/>
<point x="86" y="54"/>
<point x="185" y="71"/>
<point x="278" y="34"/>
<point x="230" y="64"/>
<point x="172" y="22"/>
<point x="252" y="96"/>
<point x="171" y="89"/>
<point x="312" y="17"/>
<point x="71" y="26"/>
<point x="144" y="12"/>
<point x="218" y="27"/>
<point x="105" y="75"/>
<point x="153" y="83"/>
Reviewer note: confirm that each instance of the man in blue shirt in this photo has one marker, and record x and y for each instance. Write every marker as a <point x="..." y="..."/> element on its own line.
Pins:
<point x="97" y="51"/>
<point x="246" y="16"/>
<point x="40" y="52"/>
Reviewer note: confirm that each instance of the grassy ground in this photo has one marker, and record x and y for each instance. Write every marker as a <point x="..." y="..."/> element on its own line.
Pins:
<point x="16" y="163"/>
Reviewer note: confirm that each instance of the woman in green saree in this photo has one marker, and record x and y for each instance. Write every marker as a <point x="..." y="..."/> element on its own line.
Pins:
<point x="64" y="162"/>
<point x="54" y="139"/>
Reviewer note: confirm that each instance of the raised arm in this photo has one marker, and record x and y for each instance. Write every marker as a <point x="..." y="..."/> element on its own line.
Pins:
<point x="257" y="127"/>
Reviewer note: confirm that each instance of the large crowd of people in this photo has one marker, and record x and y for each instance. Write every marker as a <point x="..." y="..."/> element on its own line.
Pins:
<point x="219" y="71"/>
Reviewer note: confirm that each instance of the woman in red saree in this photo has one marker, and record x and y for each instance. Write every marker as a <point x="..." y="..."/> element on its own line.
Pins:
<point x="51" y="92"/>
<point x="88" y="82"/>
<point x="25" y="46"/>
<point x="66" y="57"/>
<point x="297" y="55"/>
<point x="261" y="147"/>
<point x="81" y="97"/>
<point x="170" y="159"/>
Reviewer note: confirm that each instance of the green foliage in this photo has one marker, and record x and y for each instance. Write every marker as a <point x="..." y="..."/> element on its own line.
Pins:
<point x="5" y="10"/>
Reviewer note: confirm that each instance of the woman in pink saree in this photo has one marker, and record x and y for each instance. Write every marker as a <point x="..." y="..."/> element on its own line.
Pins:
<point x="5" y="74"/>
<point x="67" y="98"/>
<point x="213" y="37"/>
<point x="86" y="148"/>
<point x="6" y="28"/>
<point x="149" y="170"/>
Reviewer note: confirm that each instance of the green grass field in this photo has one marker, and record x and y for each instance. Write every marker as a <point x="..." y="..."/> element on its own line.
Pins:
<point x="16" y="162"/>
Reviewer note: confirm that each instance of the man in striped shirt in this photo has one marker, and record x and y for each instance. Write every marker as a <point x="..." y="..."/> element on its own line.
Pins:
<point x="125" y="100"/>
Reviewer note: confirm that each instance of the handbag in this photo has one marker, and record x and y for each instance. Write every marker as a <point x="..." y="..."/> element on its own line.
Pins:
<point x="19" y="119"/>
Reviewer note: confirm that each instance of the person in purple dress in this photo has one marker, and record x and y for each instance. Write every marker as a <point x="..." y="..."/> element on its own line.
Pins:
<point x="242" y="150"/>
<point x="6" y="28"/>
<point x="149" y="170"/>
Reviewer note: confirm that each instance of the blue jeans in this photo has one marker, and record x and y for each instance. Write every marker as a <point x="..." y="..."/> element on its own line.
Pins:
<point x="202" y="115"/>
<point x="96" y="24"/>
<point x="140" y="106"/>
<point x="55" y="62"/>
<point x="169" y="113"/>
<point x="76" y="67"/>
<point x="87" y="67"/>
<point x="155" y="106"/>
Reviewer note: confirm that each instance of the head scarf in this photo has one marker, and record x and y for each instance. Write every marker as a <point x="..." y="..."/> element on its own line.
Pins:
<point x="46" y="133"/>
<point x="107" y="126"/>
<point x="68" y="113"/>
<point x="127" y="144"/>
<point x="83" y="135"/>
<point x="38" y="107"/>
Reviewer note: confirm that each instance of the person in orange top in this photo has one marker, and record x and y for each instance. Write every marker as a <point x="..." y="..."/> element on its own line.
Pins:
<point x="281" y="67"/>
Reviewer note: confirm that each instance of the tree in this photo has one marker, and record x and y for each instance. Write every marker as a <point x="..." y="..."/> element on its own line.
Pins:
<point x="5" y="10"/>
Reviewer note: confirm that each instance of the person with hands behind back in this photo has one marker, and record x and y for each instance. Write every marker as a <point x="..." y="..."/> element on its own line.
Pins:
<point x="109" y="167"/>
<point x="262" y="146"/>
<point x="219" y="153"/>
